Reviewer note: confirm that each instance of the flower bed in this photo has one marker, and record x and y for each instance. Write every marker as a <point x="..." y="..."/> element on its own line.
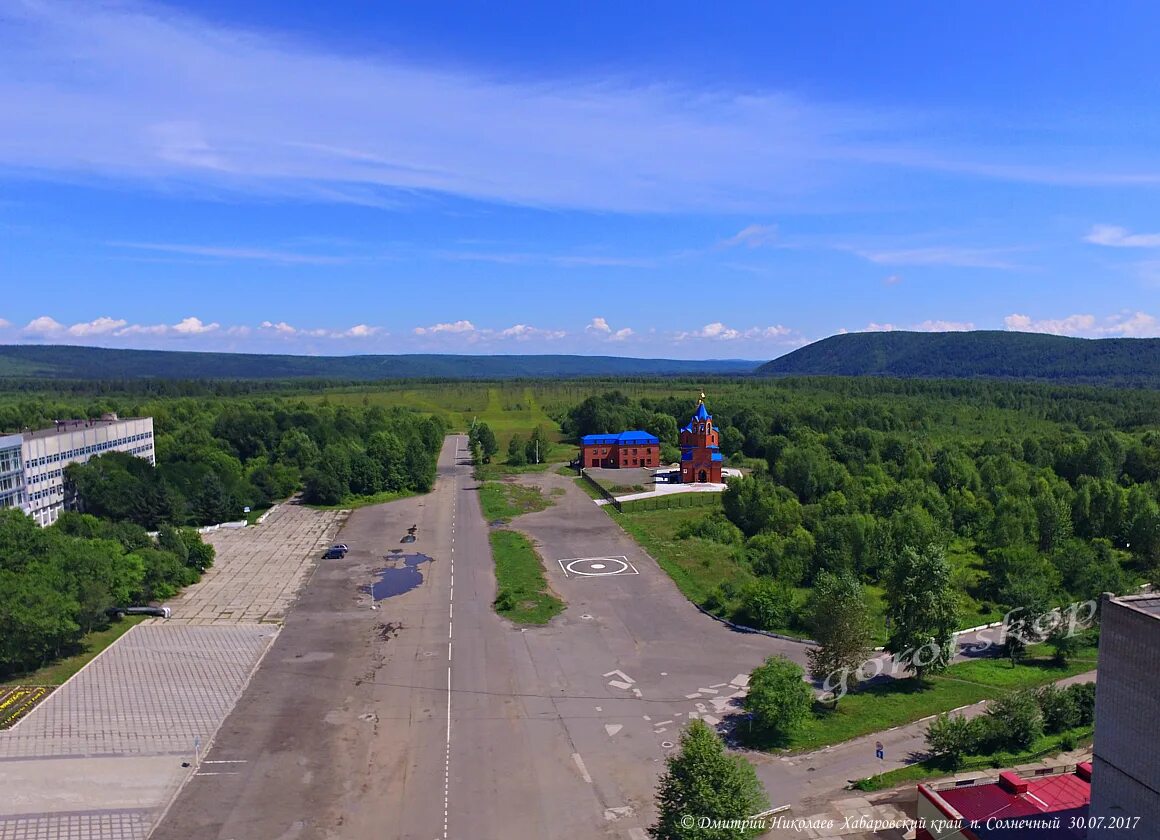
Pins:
<point x="17" y="701"/>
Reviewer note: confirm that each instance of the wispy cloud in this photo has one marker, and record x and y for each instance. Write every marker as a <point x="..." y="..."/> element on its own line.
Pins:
<point x="945" y="256"/>
<point x="129" y="91"/>
<point x="449" y="327"/>
<point x="752" y="236"/>
<point x="1118" y="237"/>
<point x="561" y="260"/>
<point x="1127" y="324"/>
<point x="233" y="253"/>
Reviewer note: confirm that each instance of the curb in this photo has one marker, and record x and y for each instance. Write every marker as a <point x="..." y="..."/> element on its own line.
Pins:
<point x="741" y="628"/>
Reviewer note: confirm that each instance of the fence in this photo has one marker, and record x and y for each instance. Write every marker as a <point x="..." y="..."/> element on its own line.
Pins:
<point x="600" y="489"/>
<point x="672" y="500"/>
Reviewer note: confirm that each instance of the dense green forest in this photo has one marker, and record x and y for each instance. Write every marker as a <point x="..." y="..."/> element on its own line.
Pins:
<point x="215" y="456"/>
<point x="1129" y="362"/>
<point x="1034" y="494"/>
<point x="56" y="583"/>
<point x="68" y="362"/>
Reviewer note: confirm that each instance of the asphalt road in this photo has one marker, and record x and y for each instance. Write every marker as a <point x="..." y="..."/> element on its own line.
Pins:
<point x="431" y="717"/>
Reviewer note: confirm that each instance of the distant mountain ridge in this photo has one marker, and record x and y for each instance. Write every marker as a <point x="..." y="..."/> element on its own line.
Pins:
<point x="72" y="362"/>
<point x="989" y="354"/>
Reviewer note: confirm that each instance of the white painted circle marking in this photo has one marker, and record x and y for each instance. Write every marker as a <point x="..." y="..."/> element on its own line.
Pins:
<point x="589" y="568"/>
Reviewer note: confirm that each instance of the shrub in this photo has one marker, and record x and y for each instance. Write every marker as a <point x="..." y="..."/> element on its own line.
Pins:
<point x="779" y="698"/>
<point x="952" y="738"/>
<point x="1084" y="697"/>
<point x="766" y="605"/>
<point x="1015" y="720"/>
<point x="714" y="526"/>
<point x="1059" y="709"/>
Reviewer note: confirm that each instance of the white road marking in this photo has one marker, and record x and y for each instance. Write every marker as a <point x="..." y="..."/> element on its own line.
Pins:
<point x="580" y="765"/>
<point x="622" y="675"/>
<point x="619" y="684"/>
<point x="218" y="774"/>
<point x="227" y="761"/>
<point x="613" y="728"/>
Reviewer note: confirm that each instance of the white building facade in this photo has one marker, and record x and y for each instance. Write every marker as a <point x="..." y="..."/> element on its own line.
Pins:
<point x="45" y="453"/>
<point x="12" y="492"/>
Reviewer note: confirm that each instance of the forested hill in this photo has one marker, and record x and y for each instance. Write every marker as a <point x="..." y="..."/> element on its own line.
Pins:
<point x="1128" y="362"/>
<point x="68" y="362"/>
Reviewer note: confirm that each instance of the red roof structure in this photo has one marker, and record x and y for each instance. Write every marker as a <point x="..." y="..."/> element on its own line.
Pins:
<point x="1016" y="808"/>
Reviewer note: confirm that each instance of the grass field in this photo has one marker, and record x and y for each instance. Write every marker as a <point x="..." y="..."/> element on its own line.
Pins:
<point x="352" y="502"/>
<point x="524" y="596"/>
<point x="933" y="768"/>
<point x="89" y="646"/>
<point x="502" y="500"/>
<point x="897" y="702"/>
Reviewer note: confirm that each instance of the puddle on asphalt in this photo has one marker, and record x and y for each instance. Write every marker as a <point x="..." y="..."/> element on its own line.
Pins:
<point x="400" y="577"/>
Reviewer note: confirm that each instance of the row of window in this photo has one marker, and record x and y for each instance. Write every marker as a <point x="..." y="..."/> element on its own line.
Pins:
<point x="48" y="476"/>
<point x="72" y="454"/>
<point x="10" y="460"/>
<point x="647" y="451"/>
<point x="47" y="493"/>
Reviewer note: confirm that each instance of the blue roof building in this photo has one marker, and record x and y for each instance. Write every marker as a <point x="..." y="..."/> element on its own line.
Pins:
<point x="622" y="449"/>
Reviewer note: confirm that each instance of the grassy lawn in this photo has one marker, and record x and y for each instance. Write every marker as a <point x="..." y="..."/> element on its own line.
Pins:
<point x="697" y="566"/>
<point x="898" y="702"/>
<point x="933" y="768"/>
<point x="502" y="500"/>
<point x="352" y="502"/>
<point x="523" y="595"/>
<point x="87" y="649"/>
<point x="254" y="514"/>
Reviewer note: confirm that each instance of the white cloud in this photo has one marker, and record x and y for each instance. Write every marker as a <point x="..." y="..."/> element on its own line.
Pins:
<point x="1128" y="324"/>
<point x="718" y="331"/>
<point x="892" y="280"/>
<point x="359" y="331"/>
<point x="4" y="324"/>
<point x="943" y="326"/>
<point x="1118" y="237"/>
<point x="281" y="328"/>
<point x="452" y="327"/>
<point x="875" y="327"/>
<point x="193" y="326"/>
<point x="185" y="328"/>
<point x="43" y="326"/>
<point x="524" y="332"/>
<point x="753" y="236"/>
<point x="98" y="326"/>
<point x="598" y="325"/>
<point x="600" y="328"/>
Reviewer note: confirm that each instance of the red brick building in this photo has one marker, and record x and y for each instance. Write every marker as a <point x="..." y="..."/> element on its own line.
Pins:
<point x="626" y="449"/>
<point x="700" y="449"/>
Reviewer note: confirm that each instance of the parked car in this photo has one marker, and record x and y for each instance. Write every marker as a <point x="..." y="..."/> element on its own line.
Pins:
<point x="342" y="546"/>
<point x="121" y="612"/>
<point x="334" y="553"/>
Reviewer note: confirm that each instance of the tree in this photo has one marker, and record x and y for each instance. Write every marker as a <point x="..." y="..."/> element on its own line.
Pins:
<point x="483" y="434"/>
<point x="779" y="698"/>
<point x="323" y="487"/>
<point x="538" y="446"/>
<point x="839" y="620"/>
<point x="664" y="427"/>
<point x="517" y="455"/>
<point x="921" y="609"/>
<point x="702" y="781"/>
<point x="767" y="605"/>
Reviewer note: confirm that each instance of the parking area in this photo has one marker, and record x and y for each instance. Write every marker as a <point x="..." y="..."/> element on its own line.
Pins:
<point x="258" y="571"/>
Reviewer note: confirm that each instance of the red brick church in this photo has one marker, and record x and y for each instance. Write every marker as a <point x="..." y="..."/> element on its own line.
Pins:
<point x="700" y="449"/>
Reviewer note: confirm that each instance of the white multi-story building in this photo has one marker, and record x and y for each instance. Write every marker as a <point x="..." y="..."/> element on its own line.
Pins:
<point x="12" y="493"/>
<point x="39" y="487"/>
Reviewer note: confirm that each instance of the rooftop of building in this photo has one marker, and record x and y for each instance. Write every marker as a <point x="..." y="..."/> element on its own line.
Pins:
<point x="73" y="425"/>
<point x="1148" y="603"/>
<point x="635" y="436"/>
<point x="1016" y="808"/>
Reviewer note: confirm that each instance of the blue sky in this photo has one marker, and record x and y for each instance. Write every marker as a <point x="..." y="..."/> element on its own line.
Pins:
<point x="630" y="179"/>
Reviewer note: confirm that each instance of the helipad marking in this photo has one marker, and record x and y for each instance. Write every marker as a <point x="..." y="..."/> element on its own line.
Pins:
<point x="597" y="566"/>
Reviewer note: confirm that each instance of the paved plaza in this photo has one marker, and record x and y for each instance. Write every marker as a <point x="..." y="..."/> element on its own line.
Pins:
<point x="258" y="572"/>
<point x="101" y="757"/>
